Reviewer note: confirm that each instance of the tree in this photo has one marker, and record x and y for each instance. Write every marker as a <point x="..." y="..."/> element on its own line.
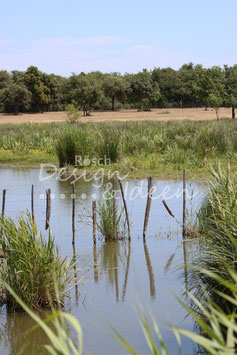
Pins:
<point x="85" y="92"/>
<point x="5" y="79"/>
<point x="170" y="85"/>
<point x="15" y="98"/>
<point x="231" y="87"/>
<point x="143" y="90"/>
<point x="209" y="81"/>
<point x="115" y="87"/>
<point x="34" y="81"/>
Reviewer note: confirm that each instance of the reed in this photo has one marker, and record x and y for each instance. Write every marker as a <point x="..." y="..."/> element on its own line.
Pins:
<point x="217" y="251"/>
<point x="105" y="220"/>
<point x="32" y="264"/>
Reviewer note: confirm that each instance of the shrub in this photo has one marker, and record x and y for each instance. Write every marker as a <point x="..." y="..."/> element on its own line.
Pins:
<point x="72" y="113"/>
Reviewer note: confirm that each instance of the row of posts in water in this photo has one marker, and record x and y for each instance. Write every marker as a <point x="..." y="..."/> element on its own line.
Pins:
<point x="94" y="209"/>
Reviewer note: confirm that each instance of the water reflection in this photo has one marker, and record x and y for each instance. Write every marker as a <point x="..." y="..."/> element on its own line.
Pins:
<point x="113" y="253"/>
<point x="126" y="273"/>
<point x="17" y="335"/>
<point x="185" y="267"/>
<point x="150" y="271"/>
<point x="96" y="271"/>
<point x="75" y="259"/>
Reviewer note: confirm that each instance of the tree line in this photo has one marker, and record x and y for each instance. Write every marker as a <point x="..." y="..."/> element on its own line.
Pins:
<point x="190" y="86"/>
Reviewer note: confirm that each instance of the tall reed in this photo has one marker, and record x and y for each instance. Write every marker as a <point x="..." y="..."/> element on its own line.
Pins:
<point x="218" y="225"/>
<point x="32" y="264"/>
<point x="105" y="219"/>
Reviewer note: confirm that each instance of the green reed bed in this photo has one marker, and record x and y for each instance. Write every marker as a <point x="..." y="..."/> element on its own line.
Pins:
<point x="32" y="266"/>
<point x="138" y="147"/>
<point x="218" y="250"/>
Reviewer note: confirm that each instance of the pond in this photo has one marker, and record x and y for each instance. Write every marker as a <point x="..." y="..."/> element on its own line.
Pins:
<point x="118" y="276"/>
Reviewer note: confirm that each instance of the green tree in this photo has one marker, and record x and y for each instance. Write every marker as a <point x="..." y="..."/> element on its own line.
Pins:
<point x="115" y="87"/>
<point x="231" y="87"/>
<point x="170" y="85"/>
<point x="209" y="81"/>
<point x="85" y="92"/>
<point x="143" y="91"/>
<point x="34" y="81"/>
<point x="15" y="98"/>
<point x="5" y="79"/>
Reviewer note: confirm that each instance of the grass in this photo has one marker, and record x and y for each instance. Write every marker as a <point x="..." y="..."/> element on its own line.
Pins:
<point x="32" y="264"/>
<point x="141" y="148"/>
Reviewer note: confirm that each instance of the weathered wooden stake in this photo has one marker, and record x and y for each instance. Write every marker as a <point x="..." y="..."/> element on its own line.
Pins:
<point x="32" y="204"/>
<point x="3" y="207"/>
<point x="167" y="208"/>
<point x="73" y="213"/>
<point x="48" y="208"/>
<point x="3" y="202"/>
<point x="184" y="204"/>
<point x="114" y="210"/>
<point x="94" y="220"/>
<point x="125" y="208"/>
<point x="148" y="205"/>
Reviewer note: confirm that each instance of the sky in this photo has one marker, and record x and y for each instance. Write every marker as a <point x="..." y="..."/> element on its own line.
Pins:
<point x="62" y="37"/>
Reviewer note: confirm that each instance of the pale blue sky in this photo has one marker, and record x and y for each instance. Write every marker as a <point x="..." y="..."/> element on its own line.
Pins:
<point x="72" y="36"/>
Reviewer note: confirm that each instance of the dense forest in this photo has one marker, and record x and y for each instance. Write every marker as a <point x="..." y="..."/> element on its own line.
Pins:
<point x="190" y="86"/>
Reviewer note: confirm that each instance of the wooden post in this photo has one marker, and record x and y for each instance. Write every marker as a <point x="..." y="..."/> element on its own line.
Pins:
<point x="3" y="202"/>
<point x="115" y="211"/>
<point x="94" y="220"/>
<point x="184" y="204"/>
<point x="73" y="213"/>
<point x="148" y="205"/>
<point x="3" y="206"/>
<point x="125" y="208"/>
<point x="48" y="208"/>
<point x="32" y="204"/>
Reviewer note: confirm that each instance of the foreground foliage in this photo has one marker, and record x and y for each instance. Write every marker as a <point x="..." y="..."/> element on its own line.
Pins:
<point x="32" y="264"/>
<point x="218" y="251"/>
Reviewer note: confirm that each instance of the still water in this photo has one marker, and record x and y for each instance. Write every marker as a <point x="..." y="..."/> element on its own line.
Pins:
<point x="117" y="275"/>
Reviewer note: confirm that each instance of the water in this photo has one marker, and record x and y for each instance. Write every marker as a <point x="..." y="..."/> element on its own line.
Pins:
<point x="118" y="275"/>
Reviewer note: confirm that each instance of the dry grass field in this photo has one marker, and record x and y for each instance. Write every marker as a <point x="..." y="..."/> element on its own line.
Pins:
<point x="122" y="115"/>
